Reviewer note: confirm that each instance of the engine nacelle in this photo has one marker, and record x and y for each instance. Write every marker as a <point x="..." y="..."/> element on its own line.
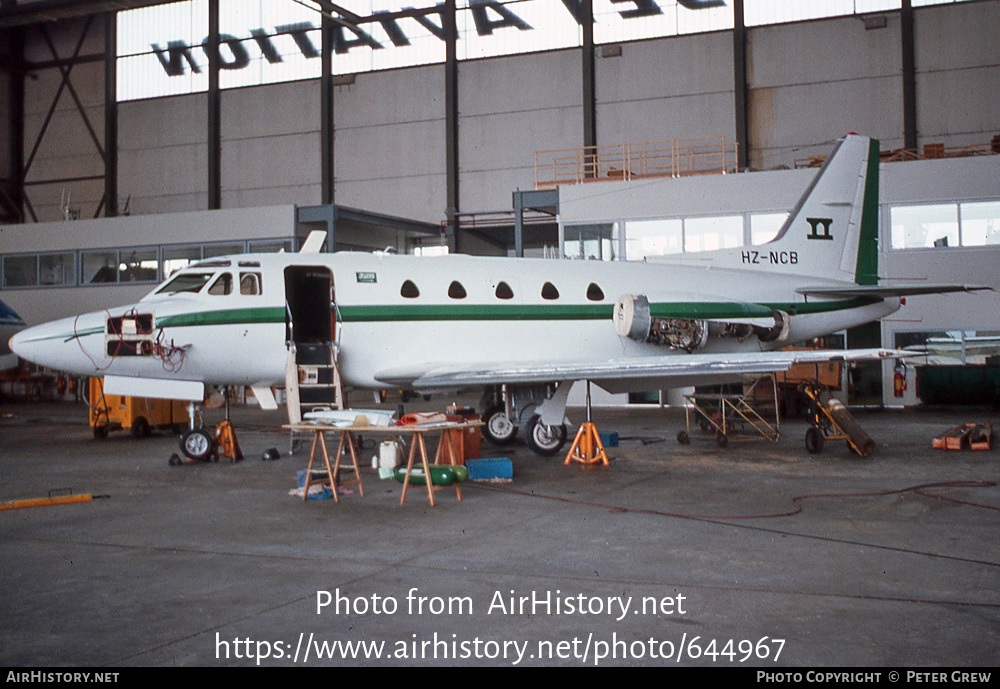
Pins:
<point x="633" y="320"/>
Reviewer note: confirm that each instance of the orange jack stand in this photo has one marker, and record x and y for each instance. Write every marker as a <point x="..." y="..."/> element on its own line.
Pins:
<point x="226" y="444"/>
<point x="587" y="447"/>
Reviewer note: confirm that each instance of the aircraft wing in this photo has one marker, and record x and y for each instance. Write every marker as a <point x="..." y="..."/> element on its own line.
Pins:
<point x="884" y="291"/>
<point x="624" y="374"/>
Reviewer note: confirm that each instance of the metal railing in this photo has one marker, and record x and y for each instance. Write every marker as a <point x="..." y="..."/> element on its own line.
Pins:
<point x="650" y="159"/>
<point x="928" y="152"/>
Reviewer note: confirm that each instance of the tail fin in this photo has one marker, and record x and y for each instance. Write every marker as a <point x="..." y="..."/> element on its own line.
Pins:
<point x="832" y="232"/>
<point x="833" y="229"/>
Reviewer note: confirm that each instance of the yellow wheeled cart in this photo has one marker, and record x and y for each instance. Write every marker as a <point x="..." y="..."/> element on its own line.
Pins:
<point x="138" y="415"/>
<point x="830" y="420"/>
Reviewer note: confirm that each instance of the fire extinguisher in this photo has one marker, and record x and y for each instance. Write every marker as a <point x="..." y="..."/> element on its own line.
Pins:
<point x="899" y="379"/>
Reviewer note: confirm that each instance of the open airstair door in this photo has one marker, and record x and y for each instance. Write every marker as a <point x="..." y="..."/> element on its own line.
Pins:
<point x="312" y="380"/>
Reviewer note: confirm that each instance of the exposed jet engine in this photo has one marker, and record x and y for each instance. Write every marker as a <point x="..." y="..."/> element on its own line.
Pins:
<point x="633" y="320"/>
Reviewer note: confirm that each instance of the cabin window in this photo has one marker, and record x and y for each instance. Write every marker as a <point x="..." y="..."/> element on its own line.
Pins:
<point x="595" y="293"/>
<point x="222" y="286"/>
<point x="456" y="291"/>
<point x="549" y="291"/>
<point x="504" y="291"/>
<point x="409" y="290"/>
<point x="249" y="284"/>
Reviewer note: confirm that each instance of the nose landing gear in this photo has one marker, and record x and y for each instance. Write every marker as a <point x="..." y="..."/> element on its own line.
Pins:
<point x="200" y="445"/>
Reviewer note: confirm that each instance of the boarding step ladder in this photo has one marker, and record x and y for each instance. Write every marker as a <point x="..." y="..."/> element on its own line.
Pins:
<point x="312" y="381"/>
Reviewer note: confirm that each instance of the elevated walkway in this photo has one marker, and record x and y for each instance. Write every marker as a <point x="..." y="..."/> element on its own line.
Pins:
<point x="646" y="160"/>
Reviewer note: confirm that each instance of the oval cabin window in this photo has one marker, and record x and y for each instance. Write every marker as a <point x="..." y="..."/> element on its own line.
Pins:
<point x="595" y="293"/>
<point x="549" y="291"/>
<point x="409" y="290"/>
<point x="456" y="291"/>
<point x="504" y="291"/>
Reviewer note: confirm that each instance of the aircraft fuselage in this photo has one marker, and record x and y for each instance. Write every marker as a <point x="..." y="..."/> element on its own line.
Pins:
<point x="232" y="323"/>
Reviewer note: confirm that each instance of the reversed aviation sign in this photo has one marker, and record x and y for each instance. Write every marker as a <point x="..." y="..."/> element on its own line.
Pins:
<point x="164" y="50"/>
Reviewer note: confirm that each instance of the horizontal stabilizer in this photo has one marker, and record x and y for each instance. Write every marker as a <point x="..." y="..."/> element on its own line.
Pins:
<point x="886" y="290"/>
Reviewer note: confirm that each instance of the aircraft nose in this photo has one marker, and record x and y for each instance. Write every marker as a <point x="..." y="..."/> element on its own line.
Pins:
<point x="14" y="343"/>
<point x="57" y="345"/>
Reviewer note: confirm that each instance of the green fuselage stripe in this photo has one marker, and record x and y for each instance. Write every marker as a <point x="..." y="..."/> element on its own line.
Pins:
<point x="546" y="312"/>
<point x="492" y="312"/>
<point x="224" y="317"/>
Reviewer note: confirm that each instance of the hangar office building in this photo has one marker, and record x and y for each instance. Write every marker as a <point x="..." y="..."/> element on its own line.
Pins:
<point x="139" y="136"/>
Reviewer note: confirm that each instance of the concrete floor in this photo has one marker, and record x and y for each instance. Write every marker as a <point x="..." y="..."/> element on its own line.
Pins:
<point x="838" y="557"/>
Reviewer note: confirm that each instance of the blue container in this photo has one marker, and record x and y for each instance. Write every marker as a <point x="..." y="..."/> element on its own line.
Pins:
<point x="609" y="439"/>
<point x="489" y="468"/>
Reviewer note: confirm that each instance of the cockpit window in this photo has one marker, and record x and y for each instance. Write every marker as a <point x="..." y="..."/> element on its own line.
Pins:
<point x="249" y="284"/>
<point x="186" y="282"/>
<point x="222" y="286"/>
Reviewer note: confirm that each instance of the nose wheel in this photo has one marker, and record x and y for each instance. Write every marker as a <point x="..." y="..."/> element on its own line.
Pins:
<point x="201" y="445"/>
<point x="197" y="444"/>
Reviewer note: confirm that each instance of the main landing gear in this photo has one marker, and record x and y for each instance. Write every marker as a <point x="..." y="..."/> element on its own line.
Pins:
<point x="535" y="407"/>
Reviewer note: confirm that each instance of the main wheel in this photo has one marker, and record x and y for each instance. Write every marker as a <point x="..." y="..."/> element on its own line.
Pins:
<point x="197" y="444"/>
<point x="544" y="440"/>
<point x="498" y="429"/>
<point x="814" y="440"/>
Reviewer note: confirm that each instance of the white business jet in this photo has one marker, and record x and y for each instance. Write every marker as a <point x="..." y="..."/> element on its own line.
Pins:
<point x="523" y="330"/>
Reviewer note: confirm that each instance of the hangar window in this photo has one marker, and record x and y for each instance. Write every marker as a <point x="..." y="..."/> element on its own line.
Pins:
<point x="765" y="226"/>
<point x="714" y="232"/>
<point x="595" y="293"/>
<point x="924" y="226"/>
<point x="409" y="290"/>
<point x="98" y="266"/>
<point x="980" y="223"/>
<point x="504" y="291"/>
<point x="945" y="225"/>
<point x="549" y="291"/>
<point x="20" y="271"/>
<point x="456" y="291"/>
<point x="653" y="238"/>
<point x="222" y="286"/>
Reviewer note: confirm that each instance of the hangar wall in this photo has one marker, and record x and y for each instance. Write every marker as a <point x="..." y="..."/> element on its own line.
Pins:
<point x="666" y="89"/>
<point x="59" y="142"/>
<point x="389" y="143"/>
<point x="814" y="81"/>
<point x="808" y="83"/>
